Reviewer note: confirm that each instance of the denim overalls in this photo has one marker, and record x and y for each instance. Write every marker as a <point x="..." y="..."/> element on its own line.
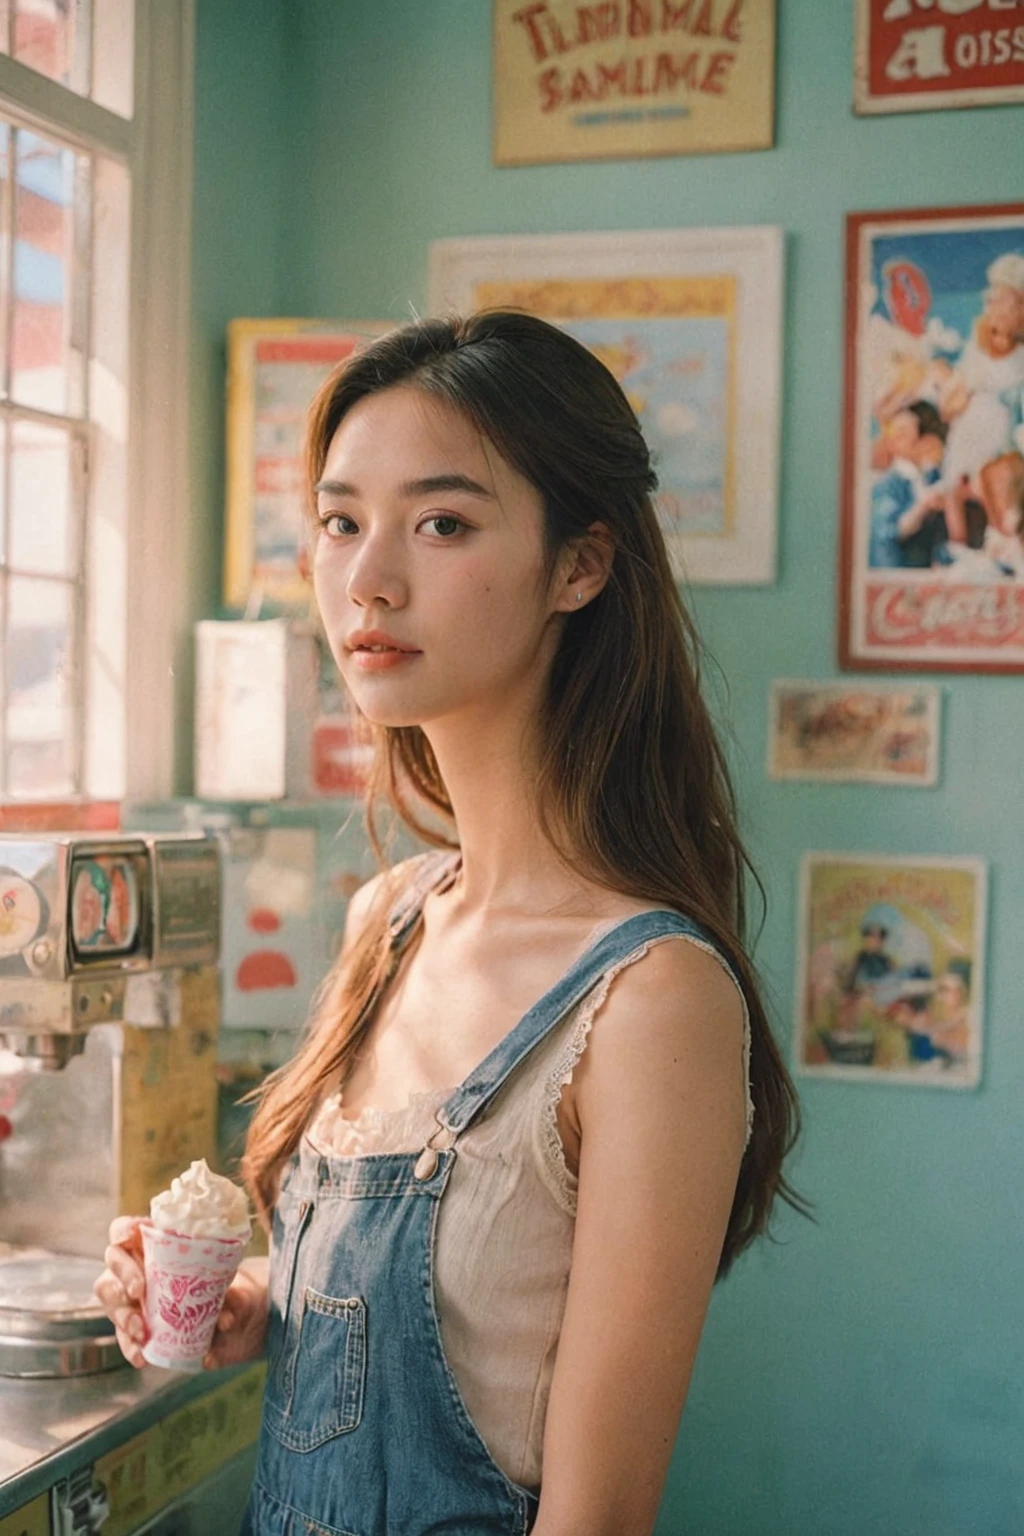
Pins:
<point x="364" y="1430"/>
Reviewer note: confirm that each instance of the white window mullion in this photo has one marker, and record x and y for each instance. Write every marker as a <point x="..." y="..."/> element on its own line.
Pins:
<point x="158" y="529"/>
<point x="46" y="108"/>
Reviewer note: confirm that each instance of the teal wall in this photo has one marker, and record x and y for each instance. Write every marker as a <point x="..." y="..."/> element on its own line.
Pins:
<point x="865" y="1375"/>
<point x="243" y="157"/>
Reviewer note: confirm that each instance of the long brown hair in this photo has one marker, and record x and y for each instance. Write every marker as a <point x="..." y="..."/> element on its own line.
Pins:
<point x="633" y="786"/>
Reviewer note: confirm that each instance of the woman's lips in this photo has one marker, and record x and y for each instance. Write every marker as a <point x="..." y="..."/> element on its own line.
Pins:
<point x="379" y="661"/>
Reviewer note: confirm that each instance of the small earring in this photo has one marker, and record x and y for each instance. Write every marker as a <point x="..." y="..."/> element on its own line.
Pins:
<point x="579" y="597"/>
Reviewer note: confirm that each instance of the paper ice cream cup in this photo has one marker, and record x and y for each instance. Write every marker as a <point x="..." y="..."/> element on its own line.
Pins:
<point x="186" y="1281"/>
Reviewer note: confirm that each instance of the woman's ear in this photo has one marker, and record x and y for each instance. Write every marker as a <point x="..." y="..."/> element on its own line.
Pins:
<point x="585" y="567"/>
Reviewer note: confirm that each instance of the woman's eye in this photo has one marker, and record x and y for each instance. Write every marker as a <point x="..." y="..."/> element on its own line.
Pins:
<point x="330" y="518"/>
<point x="444" y="517"/>
<point x="447" y="524"/>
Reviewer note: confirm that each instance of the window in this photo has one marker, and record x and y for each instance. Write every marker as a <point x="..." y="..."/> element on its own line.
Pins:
<point x="94" y="193"/>
<point x="85" y="45"/>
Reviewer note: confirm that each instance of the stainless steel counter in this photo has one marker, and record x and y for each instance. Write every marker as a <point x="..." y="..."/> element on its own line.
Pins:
<point x="49" y="1429"/>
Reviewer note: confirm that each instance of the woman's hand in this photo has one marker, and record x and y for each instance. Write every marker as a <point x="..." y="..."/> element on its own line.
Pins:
<point x="122" y="1286"/>
<point x="242" y="1324"/>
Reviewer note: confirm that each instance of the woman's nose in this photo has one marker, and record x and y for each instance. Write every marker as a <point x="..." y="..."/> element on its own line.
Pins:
<point x="374" y="577"/>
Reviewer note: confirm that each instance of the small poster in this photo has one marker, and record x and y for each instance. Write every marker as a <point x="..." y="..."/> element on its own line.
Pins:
<point x="631" y="78"/>
<point x="275" y="368"/>
<point x="689" y="321"/>
<point x="342" y="756"/>
<point x="933" y="441"/>
<point x="272" y="950"/>
<point x="917" y="55"/>
<point x="891" y="958"/>
<point x="841" y="731"/>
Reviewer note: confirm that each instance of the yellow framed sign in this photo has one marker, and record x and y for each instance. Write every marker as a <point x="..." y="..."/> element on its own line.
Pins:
<point x="631" y="78"/>
<point x="275" y="367"/>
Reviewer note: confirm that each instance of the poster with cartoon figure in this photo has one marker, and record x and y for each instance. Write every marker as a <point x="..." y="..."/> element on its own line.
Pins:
<point x="933" y="475"/>
<point x="689" y="323"/>
<point x="890" y="975"/>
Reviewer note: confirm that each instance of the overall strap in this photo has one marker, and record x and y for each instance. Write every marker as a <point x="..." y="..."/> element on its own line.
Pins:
<point x="473" y="1095"/>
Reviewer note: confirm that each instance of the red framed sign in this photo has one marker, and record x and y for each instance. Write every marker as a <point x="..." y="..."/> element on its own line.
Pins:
<point x="919" y="55"/>
<point x="932" y="539"/>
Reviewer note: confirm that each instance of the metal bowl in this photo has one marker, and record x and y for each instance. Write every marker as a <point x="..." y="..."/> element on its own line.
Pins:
<point x="50" y="1322"/>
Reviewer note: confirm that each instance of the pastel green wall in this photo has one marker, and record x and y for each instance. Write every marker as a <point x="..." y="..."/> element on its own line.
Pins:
<point x="866" y="1375"/>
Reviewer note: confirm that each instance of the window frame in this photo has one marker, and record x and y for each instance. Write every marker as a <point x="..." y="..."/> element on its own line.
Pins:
<point x="156" y="146"/>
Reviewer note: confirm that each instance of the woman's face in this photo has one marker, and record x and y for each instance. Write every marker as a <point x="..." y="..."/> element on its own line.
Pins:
<point x="427" y="534"/>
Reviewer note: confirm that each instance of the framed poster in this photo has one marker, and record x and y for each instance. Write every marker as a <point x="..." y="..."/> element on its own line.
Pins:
<point x="890" y="969"/>
<point x="882" y="734"/>
<point x="632" y="78"/>
<point x="932" y="557"/>
<point x="917" y="55"/>
<point x="275" y="368"/>
<point x="690" y="323"/>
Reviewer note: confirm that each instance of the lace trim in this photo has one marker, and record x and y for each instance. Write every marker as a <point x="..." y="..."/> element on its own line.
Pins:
<point x="331" y="1130"/>
<point x="565" y="1181"/>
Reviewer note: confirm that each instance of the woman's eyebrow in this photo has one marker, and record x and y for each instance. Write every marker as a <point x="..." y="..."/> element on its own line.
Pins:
<point x="434" y="483"/>
<point x="429" y="486"/>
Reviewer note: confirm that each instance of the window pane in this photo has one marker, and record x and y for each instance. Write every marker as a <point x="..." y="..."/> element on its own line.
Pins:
<point x="40" y="715"/>
<point x="52" y="36"/>
<point x="43" y="497"/>
<point x="50" y="228"/>
<point x="113" y="55"/>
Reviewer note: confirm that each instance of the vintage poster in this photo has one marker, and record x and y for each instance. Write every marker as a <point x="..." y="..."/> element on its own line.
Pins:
<point x="689" y="322"/>
<point x="275" y="368"/>
<point x="273" y="942"/>
<point x="919" y="55"/>
<point x="933" y="441"/>
<point x="841" y="731"/>
<point x="341" y="748"/>
<point x="631" y="78"/>
<point x="341" y="758"/>
<point x="890" y="975"/>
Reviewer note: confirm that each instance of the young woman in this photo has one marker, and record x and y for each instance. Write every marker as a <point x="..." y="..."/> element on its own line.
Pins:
<point x="524" y="1132"/>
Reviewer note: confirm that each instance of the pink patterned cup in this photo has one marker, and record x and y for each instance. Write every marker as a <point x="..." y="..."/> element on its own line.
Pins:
<point x="186" y="1281"/>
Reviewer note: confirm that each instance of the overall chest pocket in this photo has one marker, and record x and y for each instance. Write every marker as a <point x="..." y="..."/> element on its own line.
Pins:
<point x="316" y="1386"/>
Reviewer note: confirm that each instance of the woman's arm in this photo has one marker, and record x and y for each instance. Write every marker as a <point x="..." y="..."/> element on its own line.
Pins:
<point x="661" y="1106"/>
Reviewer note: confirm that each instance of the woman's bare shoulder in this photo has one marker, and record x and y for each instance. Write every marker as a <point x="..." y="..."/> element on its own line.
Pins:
<point x="672" y="1019"/>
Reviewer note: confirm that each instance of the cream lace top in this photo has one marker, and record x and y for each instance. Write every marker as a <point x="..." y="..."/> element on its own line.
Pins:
<point x="510" y="1195"/>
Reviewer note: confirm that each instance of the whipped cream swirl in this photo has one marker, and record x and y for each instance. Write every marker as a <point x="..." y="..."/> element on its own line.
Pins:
<point x="201" y="1203"/>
